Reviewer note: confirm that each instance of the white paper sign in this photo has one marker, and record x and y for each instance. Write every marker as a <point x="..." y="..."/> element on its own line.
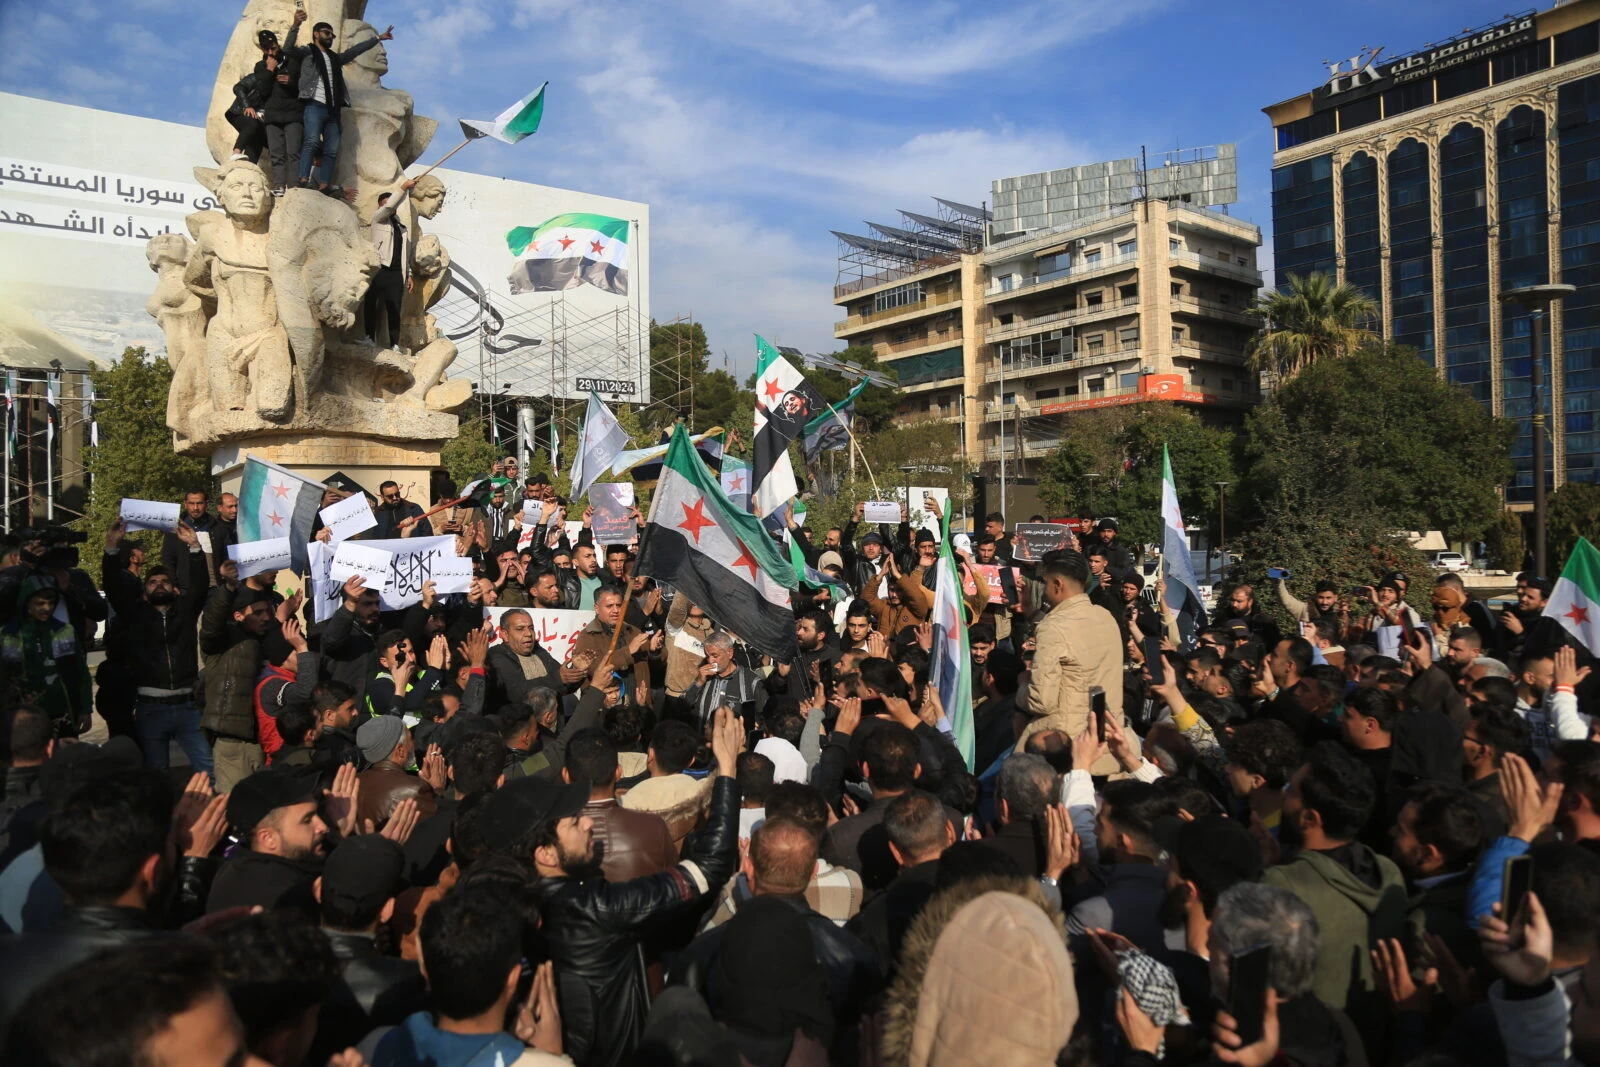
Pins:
<point x="149" y="515"/>
<point x="531" y="510"/>
<point x="690" y="643"/>
<point x="574" y="527"/>
<point x="372" y="564"/>
<point x="348" y="517"/>
<point x="881" y="511"/>
<point x="253" y="557"/>
<point x="204" y="537"/>
<point x="412" y="563"/>
<point x="452" y="574"/>
<point x="556" y="628"/>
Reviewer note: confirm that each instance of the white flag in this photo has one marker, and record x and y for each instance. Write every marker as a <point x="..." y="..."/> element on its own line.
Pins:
<point x="603" y="438"/>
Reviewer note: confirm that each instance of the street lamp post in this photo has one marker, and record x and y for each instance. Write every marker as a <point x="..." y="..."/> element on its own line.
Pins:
<point x="1537" y="299"/>
<point x="1222" y="531"/>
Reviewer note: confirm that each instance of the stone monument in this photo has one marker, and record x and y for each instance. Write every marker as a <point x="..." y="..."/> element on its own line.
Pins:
<point x="262" y="310"/>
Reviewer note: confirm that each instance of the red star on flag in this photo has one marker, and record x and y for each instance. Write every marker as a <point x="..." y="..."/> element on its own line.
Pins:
<point x="771" y="389"/>
<point x="737" y="482"/>
<point x="694" y="519"/>
<point x="953" y="623"/>
<point x="566" y="242"/>
<point x="597" y="248"/>
<point x="748" y="561"/>
<point x="1579" y="616"/>
<point x="275" y="519"/>
<point x="534" y="247"/>
<point x="281" y="490"/>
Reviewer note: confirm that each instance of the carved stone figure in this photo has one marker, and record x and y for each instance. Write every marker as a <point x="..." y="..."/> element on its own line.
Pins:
<point x="247" y="348"/>
<point x="382" y="135"/>
<point x="182" y="318"/>
<point x="262" y="312"/>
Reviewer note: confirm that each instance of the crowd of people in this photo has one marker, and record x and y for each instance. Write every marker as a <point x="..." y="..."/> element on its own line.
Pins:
<point x="1361" y="827"/>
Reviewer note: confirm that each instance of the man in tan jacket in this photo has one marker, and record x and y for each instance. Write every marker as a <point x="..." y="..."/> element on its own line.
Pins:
<point x="1077" y="646"/>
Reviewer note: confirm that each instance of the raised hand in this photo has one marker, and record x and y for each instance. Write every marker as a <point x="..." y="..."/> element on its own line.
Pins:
<point x="290" y="628"/>
<point x="925" y="636"/>
<point x="401" y="822"/>
<point x="1532" y="809"/>
<point x="849" y="716"/>
<point x="1086" y="748"/>
<point x="727" y="741"/>
<point x="1568" y="673"/>
<point x="353" y="586"/>
<point x="1394" y="977"/>
<point x="432" y="770"/>
<point x="877" y="645"/>
<point x="538" y="1023"/>
<point x="114" y="535"/>
<point x="1227" y="1047"/>
<point x="342" y="798"/>
<point x="438" y="652"/>
<point x="1062" y="847"/>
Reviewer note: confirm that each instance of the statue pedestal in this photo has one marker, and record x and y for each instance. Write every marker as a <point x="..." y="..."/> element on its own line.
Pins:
<point x="369" y="462"/>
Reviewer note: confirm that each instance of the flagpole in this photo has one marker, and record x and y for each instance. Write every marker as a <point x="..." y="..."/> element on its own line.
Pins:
<point x="627" y="595"/>
<point x="447" y="155"/>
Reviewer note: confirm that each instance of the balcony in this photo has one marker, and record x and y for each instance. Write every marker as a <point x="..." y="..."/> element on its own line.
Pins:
<point x="1210" y="264"/>
<point x="1080" y="270"/>
<point x="917" y="344"/>
<point x="872" y="318"/>
<point x="1021" y="328"/>
<point x="1214" y="309"/>
<point x="1214" y="353"/>
<point x="1024" y="368"/>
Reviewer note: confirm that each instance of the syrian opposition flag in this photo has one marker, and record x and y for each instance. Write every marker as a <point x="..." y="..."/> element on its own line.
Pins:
<point x="830" y="431"/>
<point x="569" y="250"/>
<point x="480" y="493"/>
<point x="274" y="502"/>
<point x="511" y="125"/>
<point x="736" y="481"/>
<point x="11" y="414"/>
<point x="1575" y="601"/>
<point x="785" y="402"/>
<point x="951" y="666"/>
<point x="603" y="438"/>
<point x="716" y="555"/>
<point x="52" y="389"/>
<point x="1183" y="592"/>
<point x="645" y="462"/>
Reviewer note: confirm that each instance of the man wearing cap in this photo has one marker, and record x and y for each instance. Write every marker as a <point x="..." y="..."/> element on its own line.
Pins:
<point x="46" y="657"/>
<point x="386" y="746"/>
<point x="274" y="813"/>
<point x="231" y="628"/>
<point x="1119" y="560"/>
<point x="592" y="926"/>
<point x="355" y="895"/>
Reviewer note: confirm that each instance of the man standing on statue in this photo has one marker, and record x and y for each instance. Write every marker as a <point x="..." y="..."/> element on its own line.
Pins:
<point x="323" y="91"/>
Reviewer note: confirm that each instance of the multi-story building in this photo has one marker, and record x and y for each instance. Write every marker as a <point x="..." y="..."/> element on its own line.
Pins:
<point x="1146" y="301"/>
<point x="1437" y="181"/>
<point x="914" y="293"/>
<point x="1079" y="291"/>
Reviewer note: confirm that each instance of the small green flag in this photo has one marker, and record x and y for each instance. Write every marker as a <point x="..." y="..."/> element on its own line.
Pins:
<point x="514" y="123"/>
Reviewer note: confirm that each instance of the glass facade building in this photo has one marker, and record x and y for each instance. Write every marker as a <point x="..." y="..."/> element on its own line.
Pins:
<point x="1435" y="182"/>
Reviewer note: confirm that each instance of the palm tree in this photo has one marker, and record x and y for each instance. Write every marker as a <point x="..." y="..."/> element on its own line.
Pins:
<point x="1315" y="318"/>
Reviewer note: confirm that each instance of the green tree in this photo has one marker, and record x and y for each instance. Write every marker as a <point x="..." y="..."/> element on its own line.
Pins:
<point x="717" y="398"/>
<point x="1508" y="544"/>
<point x="470" y="455"/>
<point x="1345" y="546"/>
<point x="135" y="457"/>
<point x="1378" y="432"/>
<point x="1315" y="318"/>
<point x="1573" y="511"/>
<point x="679" y="354"/>
<point x="909" y="444"/>
<point x="1122" y="448"/>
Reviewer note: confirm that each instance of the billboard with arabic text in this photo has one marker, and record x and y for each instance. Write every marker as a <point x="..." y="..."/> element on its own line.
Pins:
<point x="82" y="190"/>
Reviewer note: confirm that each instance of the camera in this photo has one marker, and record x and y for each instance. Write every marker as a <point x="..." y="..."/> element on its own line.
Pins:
<point x="60" y="545"/>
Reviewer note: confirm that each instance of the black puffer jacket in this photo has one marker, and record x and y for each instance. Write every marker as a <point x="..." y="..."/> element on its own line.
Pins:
<point x="592" y="927"/>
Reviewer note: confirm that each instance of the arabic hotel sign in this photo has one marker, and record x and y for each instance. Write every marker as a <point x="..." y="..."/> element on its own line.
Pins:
<point x="1362" y="75"/>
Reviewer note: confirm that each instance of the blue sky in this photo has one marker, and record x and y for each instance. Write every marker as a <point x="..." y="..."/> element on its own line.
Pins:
<point x="753" y="127"/>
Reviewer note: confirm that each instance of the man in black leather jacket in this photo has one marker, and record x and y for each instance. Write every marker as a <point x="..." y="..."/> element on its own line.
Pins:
<point x="107" y="848"/>
<point x="355" y="896"/>
<point x="783" y="856"/>
<point x="592" y="926"/>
